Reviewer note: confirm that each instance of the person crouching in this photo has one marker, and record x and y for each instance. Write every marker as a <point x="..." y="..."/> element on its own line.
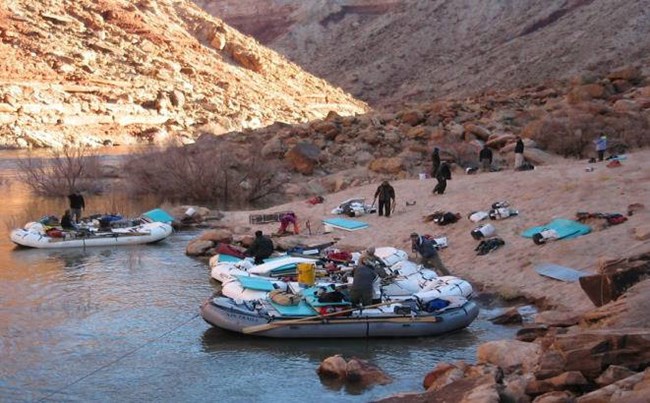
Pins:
<point x="261" y="248"/>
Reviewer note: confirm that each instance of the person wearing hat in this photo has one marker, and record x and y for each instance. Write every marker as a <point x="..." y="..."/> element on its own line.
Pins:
<point x="386" y="195"/>
<point x="601" y="147"/>
<point x="371" y="259"/>
<point x="428" y="252"/>
<point x="261" y="248"/>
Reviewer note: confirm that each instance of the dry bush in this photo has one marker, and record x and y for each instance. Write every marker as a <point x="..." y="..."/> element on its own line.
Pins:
<point x="64" y="171"/>
<point x="224" y="176"/>
<point x="572" y="133"/>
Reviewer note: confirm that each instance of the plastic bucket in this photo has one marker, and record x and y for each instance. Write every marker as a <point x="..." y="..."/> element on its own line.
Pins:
<point x="306" y="274"/>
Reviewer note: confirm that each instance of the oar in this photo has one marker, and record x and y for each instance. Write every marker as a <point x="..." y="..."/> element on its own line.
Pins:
<point x="370" y="319"/>
<point x="272" y="325"/>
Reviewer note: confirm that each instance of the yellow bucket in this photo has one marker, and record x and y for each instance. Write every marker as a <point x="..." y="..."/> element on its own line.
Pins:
<point x="306" y="273"/>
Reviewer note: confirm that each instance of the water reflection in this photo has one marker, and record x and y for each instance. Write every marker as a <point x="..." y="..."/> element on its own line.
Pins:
<point x="216" y="340"/>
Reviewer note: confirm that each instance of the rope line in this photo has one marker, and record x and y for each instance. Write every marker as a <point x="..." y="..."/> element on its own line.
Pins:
<point x="120" y="358"/>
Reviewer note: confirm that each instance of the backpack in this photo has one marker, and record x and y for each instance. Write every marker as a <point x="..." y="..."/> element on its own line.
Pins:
<point x="436" y="304"/>
<point x="488" y="245"/>
<point x="616" y="218"/>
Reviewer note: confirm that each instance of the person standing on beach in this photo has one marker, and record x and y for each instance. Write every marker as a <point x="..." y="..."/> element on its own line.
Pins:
<point x="519" y="153"/>
<point x="77" y="205"/>
<point x="386" y="195"/>
<point x="444" y="174"/>
<point x="485" y="158"/>
<point x="435" y="162"/>
<point x="601" y="147"/>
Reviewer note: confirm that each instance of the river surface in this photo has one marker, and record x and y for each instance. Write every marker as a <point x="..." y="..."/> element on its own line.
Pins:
<point x="121" y="324"/>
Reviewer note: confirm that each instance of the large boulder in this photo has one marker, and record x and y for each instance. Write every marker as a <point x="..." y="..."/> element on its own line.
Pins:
<point x="557" y="318"/>
<point x="412" y="117"/>
<point x="355" y="371"/>
<point x="509" y="355"/>
<point x="364" y="373"/>
<point x="332" y="367"/>
<point x="614" y="373"/>
<point x="630" y="73"/>
<point x="198" y="247"/>
<point x="273" y="147"/>
<point x="303" y="157"/>
<point x="635" y="388"/>
<point x="391" y="165"/>
<point x="328" y="129"/>
<point x="566" y="380"/>
<point x="591" y="351"/>
<point x="477" y="130"/>
<point x="216" y="236"/>
<point x="443" y="374"/>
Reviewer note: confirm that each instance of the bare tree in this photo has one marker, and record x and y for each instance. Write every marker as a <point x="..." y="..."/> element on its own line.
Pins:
<point x="228" y="175"/>
<point x="65" y="170"/>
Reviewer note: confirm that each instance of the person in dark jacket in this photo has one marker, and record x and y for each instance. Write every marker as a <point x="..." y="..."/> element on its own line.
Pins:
<point x="386" y="195"/>
<point x="361" y="290"/>
<point x="66" y="221"/>
<point x="519" y="153"/>
<point x="435" y="162"/>
<point x="444" y="174"/>
<point x="485" y="158"/>
<point x="261" y="248"/>
<point x="428" y="253"/>
<point x="77" y="204"/>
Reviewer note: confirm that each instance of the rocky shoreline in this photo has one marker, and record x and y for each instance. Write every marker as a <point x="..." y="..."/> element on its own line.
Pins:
<point x="574" y="351"/>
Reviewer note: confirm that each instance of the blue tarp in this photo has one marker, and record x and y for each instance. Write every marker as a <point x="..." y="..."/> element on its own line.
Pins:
<point x="159" y="215"/>
<point x="343" y="223"/>
<point x="565" y="229"/>
<point x="256" y="283"/>
<point x="302" y="309"/>
<point x="228" y="258"/>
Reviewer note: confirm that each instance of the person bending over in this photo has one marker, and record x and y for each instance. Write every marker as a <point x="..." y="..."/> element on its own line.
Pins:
<point x="428" y="253"/>
<point x="361" y="291"/>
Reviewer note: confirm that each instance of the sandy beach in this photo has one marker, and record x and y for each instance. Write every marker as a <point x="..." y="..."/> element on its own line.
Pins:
<point x="541" y="195"/>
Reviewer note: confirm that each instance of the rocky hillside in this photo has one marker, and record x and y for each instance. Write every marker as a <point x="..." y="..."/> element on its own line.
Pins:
<point x="558" y="120"/>
<point x="390" y="51"/>
<point x="82" y="71"/>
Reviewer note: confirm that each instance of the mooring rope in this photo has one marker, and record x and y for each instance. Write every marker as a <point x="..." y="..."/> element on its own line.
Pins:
<point x="118" y="359"/>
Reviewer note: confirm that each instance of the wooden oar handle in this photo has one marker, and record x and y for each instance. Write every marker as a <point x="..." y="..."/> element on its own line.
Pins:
<point x="271" y="325"/>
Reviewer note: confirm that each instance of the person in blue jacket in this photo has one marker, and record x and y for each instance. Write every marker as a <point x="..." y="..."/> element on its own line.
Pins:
<point x="601" y="147"/>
